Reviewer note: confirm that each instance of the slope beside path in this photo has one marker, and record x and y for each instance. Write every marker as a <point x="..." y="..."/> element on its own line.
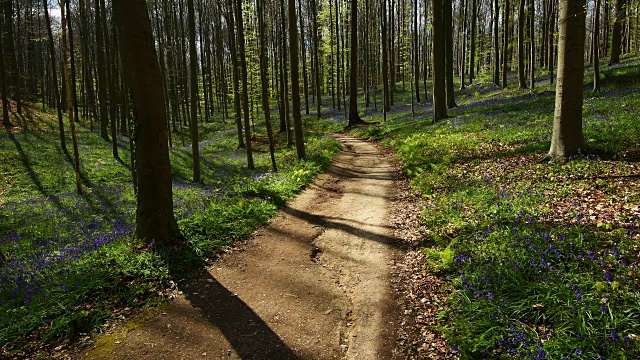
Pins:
<point x="313" y="284"/>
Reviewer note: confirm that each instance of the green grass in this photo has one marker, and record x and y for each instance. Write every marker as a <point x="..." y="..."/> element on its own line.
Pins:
<point x="74" y="264"/>
<point x="542" y="259"/>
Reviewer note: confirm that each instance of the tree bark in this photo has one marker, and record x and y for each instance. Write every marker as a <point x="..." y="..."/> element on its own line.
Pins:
<point x="505" y="44"/>
<point x="245" y="86"/>
<point x="295" y="81"/>
<point x="265" y="83"/>
<point x="154" y="215"/>
<point x="616" y="36"/>
<point x="439" y="81"/>
<point x="474" y="15"/>
<point x="67" y="78"/>
<point x="596" y="47"/>
<point x="54" y="74"/>
<point x="567" y="138"/>
<point x="193" y="62"/>
<point x="496" y="43"/>
<point x="354" y="117"/>
<point x="448" y="28"/>
<point x="522" y="81"/>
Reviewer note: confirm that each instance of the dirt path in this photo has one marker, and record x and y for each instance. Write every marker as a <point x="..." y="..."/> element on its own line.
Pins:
<point x="314" y="284"/>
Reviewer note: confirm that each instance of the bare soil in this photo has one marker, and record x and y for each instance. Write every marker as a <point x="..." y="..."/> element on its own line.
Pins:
<point x="314" y="284"/>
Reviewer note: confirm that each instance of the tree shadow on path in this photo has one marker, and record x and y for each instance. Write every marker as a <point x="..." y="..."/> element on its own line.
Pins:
<point x="249" y="335"/>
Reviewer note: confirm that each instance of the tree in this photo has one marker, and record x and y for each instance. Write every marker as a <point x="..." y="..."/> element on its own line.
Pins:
<point x="295" y="80"/>
<point x="616" y="36"/>
<point x="6" y="122"/>
<point x="474" y="12"/>
<point x="567" y="136"/>
<point x="265" y="83"/>
<point x="448" y="28"/>
<point x="496" y="43"/>
<point x="67" y="78"/>
<point x="193" y="61"/>
<point x="54" y="73"/>
<point x="596" y="47"/>
<point x="522" y="81"/>
<point x="354" y="117"/>
<point x="245" y="90"/>
<point x="505" y="44"/>
<point x="154" y="215"/>
<point x="438" y="49"/>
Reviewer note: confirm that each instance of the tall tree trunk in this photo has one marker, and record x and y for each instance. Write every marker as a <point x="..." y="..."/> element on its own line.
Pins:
<point x="496" y="43"/>
<point x="532" y="40"/>
<point x="67" y="78"/>
<point x="567" y="136"/>
<point x="354" y="117"/>
<point x="616" y="36"/>
<point x="74" y="91"/>
<point x="265" y="83"/>
<point x="54" y="75"/>
<point x="102" y="75"/>
<point x="236" y="75"/>
<point x="474" y="14"/>
<point x="464" y="43"/>
<point x="596" y="47"/>
<point x="316" y="43"/>
<point x="448" y="28"/>
<point x="11" y="63"/>
<point x="154" y="215"/>
<point x="295" y="81"/>
<point x="552" y="30"/>
<point x="245" y="86"/>
<point x="505" y="44"/>
<point x="416" y="63"/>
<point x="6" y="122"/>
<point x="385" y="59"/>
<point x="193" y="62"/>
<point x="439" y="81"/>
<point x="522" y="81"/>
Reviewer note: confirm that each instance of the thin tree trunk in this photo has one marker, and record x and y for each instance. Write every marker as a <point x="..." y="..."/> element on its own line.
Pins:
<point x="265" y="83"/>
<point x="245" y="86"/>
<point x="474" y="14"/>
<point x="67" y="77"/>
<point x="596" y="47"/>
<point x="193" y="62"/>
<point x="496" y="43"/>
<point x="448" y="28"/>
<point x="532" y="40"/>
<point x="505" y="44"/>
<point x="439" y="77"/>
<point x="295" y="80"/>
<point x="354" y="117"/>
<point x="54" y="75"/>
<point x="522" y="81"/>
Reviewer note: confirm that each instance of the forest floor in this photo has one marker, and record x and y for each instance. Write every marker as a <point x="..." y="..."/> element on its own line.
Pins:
<point x="316" y="283"/>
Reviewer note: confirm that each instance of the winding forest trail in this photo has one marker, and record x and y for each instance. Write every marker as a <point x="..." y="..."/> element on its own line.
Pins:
<point x="313" y="284"/>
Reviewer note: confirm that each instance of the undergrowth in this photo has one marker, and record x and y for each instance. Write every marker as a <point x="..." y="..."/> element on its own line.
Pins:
<point x="542" y="259"/>
<point x="73" y="263"/>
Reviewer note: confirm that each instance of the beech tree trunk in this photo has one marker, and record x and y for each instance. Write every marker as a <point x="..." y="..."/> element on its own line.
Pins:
<point x="67" y="78"/>
<point x="567" y="136"/>
<point x="154" y="215"/>
<point x="193" y="62"/>
<point x="439" y="81"/>
<point x="295" y="81"/>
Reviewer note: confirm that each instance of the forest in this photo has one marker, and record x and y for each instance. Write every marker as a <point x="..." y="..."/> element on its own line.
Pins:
<point x="320" y="179"/>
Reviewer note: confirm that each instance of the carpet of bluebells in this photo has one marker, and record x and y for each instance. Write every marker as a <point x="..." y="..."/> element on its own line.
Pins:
<point x="72" y="260"/>
<point x="541" y="259"/>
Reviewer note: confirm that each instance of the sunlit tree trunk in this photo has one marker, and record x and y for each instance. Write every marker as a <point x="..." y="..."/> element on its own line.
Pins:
<point x="295" y="81"/>
<point x="567" y="136"/>
<point x="616" y="36"/>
